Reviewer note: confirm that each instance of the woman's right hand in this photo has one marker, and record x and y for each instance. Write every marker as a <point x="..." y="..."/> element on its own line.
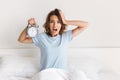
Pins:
<point x="31" y="21"/>
<point x="63" y="17"/>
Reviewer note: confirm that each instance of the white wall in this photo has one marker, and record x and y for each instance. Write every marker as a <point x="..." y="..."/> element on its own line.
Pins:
<point x="102" y="15"/>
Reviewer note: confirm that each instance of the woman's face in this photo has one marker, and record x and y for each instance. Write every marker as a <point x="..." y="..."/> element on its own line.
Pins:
<point x="55" y="25"/>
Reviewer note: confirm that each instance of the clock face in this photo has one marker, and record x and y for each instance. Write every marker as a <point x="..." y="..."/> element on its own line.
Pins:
<point x="32" y="32"/>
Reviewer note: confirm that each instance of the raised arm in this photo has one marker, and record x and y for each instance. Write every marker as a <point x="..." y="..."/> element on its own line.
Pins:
<point x="81" y="25"/>
<point x="23" y="36"/>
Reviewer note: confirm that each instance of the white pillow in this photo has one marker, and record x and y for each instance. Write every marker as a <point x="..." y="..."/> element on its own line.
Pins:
<point x="18" y="66"/>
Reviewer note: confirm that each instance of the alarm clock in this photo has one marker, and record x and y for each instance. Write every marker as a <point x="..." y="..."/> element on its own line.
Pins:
<point x="32" y="30"/>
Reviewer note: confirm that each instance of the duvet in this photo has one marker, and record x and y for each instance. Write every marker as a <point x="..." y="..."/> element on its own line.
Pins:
<point x="49" y="74"/>
<point x="59" y="74"/>
<point x="26" y="68"/>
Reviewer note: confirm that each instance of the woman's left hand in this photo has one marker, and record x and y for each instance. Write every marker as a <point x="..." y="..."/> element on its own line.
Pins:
<point x="63" y="17"/>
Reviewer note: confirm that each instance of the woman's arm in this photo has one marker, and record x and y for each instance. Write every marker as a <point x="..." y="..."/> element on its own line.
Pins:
<point x="81" y="25"/>
<point x="23" y="36"/>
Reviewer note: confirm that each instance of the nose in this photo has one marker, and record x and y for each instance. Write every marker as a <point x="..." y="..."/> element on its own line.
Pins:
<point x="55" y="24"/>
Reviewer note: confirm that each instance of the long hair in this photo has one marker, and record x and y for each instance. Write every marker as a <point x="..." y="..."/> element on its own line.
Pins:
<point x="47" y="23"/>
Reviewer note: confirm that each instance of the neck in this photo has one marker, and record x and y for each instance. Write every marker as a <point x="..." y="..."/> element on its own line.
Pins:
<point x="53" y="35"/>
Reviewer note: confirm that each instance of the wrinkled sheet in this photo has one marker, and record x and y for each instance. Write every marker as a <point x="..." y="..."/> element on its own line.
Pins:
<point x="59" y="74"/>
<point x="13" y="78"/>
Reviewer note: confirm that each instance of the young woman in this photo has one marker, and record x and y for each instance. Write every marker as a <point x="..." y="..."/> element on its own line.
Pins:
<point x="53" y="41"/>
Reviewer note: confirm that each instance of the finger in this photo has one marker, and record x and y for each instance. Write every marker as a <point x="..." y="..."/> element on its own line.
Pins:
<point x="29" y="19"/>
<point x="60" y="10"/>
<point x="33" y="19"/>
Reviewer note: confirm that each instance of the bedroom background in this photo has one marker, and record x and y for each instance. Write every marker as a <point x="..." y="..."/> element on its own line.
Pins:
<point x="101" y="40"/>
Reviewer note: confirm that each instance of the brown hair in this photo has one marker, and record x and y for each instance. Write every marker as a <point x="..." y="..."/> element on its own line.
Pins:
<point x="47" y="26"/>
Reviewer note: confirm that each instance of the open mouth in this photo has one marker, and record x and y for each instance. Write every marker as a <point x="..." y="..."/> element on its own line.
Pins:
<point x="54" y="29"/>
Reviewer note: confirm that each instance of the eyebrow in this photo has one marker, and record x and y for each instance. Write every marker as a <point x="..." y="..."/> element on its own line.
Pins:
<point x="54" y="20"/>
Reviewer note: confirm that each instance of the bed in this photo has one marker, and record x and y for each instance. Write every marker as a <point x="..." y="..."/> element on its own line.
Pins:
<point x="85" y="64"/>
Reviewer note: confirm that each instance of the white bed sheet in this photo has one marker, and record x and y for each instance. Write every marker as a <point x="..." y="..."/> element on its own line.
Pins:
<point x="25" y="68"/>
